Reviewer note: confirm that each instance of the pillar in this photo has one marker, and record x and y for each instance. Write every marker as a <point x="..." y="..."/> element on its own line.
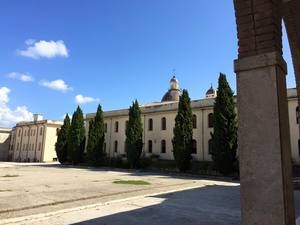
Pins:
<point x="263" y="125"/>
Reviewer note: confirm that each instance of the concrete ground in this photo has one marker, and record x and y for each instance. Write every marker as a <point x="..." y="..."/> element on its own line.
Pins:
<point x="52" y="194"/>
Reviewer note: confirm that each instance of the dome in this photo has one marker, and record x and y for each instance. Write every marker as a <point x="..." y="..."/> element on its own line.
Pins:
<point x="171" y="95"/>
<point x="210" y="91"/>
<point x="174" y="92"/>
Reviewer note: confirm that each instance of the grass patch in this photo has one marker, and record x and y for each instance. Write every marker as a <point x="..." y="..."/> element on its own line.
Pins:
<point x="5" y="190"/>
<point x="10" y="175"/>
<point x="132" y="182"/>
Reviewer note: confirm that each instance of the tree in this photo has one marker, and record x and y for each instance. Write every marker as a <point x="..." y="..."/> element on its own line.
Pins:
<point x="183" y="133"/>
<point x="76" y="140"/>
<point x="95" y="151"/>
<point x="134" y="135"/>
<point x="224" y="138"/>
<point x="61" y="146"/>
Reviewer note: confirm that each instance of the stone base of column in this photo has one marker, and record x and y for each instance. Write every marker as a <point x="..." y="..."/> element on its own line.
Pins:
<point x="263" y="141"/>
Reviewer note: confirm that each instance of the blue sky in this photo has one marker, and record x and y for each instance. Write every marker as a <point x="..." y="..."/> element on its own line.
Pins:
<point x="110" y="52"/>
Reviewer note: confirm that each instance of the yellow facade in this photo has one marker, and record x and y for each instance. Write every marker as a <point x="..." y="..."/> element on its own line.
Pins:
<point x="34" y="141"/>
<point x="202" y="109"/>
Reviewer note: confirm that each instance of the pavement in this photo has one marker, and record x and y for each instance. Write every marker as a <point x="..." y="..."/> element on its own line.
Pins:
<point x="51" y="194"/>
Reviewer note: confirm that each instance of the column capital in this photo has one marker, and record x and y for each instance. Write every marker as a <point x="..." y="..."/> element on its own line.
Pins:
<point x="260" y="61"/>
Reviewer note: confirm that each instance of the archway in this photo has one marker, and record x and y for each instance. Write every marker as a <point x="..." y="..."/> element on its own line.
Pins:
<point x="264" y="144"/>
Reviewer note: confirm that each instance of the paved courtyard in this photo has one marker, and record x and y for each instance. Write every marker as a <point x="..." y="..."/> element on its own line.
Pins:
<point x="52" y="194"/>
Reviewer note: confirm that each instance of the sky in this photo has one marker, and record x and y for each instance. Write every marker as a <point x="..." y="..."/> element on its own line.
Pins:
<point x="55" y="55"/>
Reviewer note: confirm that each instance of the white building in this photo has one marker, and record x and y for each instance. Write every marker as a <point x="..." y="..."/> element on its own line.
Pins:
<point x="34" y="141"/>
<point x="159" y="119"/>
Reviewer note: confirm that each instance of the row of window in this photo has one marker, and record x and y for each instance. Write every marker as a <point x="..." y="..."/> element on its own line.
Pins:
<point x="30" y="132"/>
<point x="163" y="146"/>
<point x="164" y="123"/>
<point x="29" y="147"/>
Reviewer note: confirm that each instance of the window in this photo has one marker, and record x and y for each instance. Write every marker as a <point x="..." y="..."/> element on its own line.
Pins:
<point x="210" y="120"/>
<point x="39" y="149"/>
<point x="163" y="146"/>
<point x="19" y="133"/>
<point x="32" y="147"/>
<point x="41" y="131"/>
<point x="163" y="123"/>
<point x="105" y="127"/>
<point x="116" y="146"/>
<point x="299" y="146"/>
<point x="57" y="131"/>
<point x="25" y="133"/>
<point x="104" y="146"/>
<point x="126" y="125"/>
<point x="194" y="121"/>
<point x="33" y="132"/>
<point x="150" y="124"/>
<point x="29" y="149"/>
<point x="194" y="147"/>
<point x="297" y="114"/>
<point x="210" y="146"/>
<point x="116" y="126"/>
<point x="150" y="146"/>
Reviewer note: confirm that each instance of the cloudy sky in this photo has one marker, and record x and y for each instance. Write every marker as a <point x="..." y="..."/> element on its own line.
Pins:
<point x="55" y="55"/>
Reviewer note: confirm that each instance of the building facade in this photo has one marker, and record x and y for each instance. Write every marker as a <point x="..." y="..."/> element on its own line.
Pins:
<point x="159" y="119"/>
<point x="5" y="136"/>
<point x="34" y="141"/>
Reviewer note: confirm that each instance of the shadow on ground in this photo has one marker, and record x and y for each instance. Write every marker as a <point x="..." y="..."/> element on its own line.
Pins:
<point x="210" y="205"/>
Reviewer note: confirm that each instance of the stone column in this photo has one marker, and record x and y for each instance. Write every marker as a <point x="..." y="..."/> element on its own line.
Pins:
<point x="263" y="139"/>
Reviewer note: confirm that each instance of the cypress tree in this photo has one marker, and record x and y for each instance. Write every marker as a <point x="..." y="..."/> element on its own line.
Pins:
<point x="183" y="133"/>
<point x="61" y="146"/>
<point x="76" y="138"/>
<point x="95" y="152"/>
<point x="224" y="138"/>
<point x="134" y="135"/>
<point x="90" y="148"/>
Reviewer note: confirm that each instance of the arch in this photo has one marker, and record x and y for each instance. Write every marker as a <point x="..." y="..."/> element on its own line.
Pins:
<point x="116" y="146"/>
<point x="150" y="124"/>
<point x="163" y="146"/>
<point x="210" y="120"/>
<point x="150" y="146"/>
<point x="297" y="115"/>
<point x="163" y="123"/>
<point x="194" y="121"/>
<point x="194" y="147"/>
<point x="116" y="126"/>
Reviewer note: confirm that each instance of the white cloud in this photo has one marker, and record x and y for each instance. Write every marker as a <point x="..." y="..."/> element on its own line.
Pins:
<point x="21" y="76"/>
<point x="44" y="49"/>
<point x="80" y="99"/>
<point x="58" y="85"/>
<point x="9" y="117"/>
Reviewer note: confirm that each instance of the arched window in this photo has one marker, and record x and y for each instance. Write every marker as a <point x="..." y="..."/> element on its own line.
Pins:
<point x="297" y="114"/>
<point x="210" y="120"/>
<point x="194" y="147"/>
<point x="126" y="125"/>
<point x="150" y="146"/>
<point x="194" y="121"/>
<point x="116" y="126"/>
<point x="105" y="127"/>
<point x="41" y="131"/>
<point x="104" y="146"/>
<point x="299" y="147"/>
<point x="150" y="124"/>
<point x="210" y="146"/>
<point x="163" y="146"/>
<point x="116" y="146"/>
<point x="163" y="123"/>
